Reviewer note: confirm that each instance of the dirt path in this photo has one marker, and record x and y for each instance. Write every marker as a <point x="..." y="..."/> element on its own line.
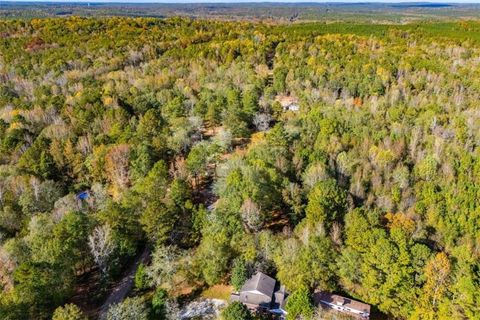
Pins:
<point x="124" y="286"/>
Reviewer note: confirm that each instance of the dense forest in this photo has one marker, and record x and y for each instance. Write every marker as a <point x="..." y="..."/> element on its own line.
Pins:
<point x="168" y="136"/>
<point x="368" y="12"/>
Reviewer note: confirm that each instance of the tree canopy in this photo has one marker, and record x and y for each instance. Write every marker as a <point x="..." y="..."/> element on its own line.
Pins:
<point x="119" y="134"/>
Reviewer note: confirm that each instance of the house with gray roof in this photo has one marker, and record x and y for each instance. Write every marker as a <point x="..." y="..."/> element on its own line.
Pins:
<point x="262" y="294"/>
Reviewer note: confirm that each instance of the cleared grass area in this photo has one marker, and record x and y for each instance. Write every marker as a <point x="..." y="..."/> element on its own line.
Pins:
<point x="219" y="291"/>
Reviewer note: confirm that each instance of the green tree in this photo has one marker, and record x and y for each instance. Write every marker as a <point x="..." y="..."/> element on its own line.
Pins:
<point x="159" y="303"/>
<point x="199" y="158"/>
<point x="327" y="202"/>
<point x="156" y="218"/>
<point x="214" y="110"/>
<point x="299" y="304"/>
<point x="236" y="311"/>
<point x="311" y="265"/>
<point x="141" y="277"/>
<point x="235" y="119"/>
<point x="68" y="312"/>
<point x="427" y="168"/>
<point x="239" y="273"/>
<point x="71" y="237"/>
<point x="40" y="287"/>
<point x="279" y="77"/>
<point x="38" y="160"/>
<point x="142" y="161"/>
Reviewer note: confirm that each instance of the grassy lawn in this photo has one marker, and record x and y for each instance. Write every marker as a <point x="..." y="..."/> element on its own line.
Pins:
<point x="219" y="291"/>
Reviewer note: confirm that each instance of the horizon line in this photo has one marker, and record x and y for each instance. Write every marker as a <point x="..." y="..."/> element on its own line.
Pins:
<point x="239" y="2"/>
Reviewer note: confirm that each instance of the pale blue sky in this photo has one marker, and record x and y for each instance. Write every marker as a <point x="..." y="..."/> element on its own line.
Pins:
<point x="245" y="1"/>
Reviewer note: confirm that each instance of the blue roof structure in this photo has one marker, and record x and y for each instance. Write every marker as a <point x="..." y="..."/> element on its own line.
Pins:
<point x="84" y="195"/>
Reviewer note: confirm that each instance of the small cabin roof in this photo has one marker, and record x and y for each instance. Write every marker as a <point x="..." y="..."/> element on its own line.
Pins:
<point x="286" y="101"/>
<point x="325" y="297"/>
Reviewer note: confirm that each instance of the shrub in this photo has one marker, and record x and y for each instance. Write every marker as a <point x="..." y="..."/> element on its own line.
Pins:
<point x="68" y="312"/>
<point x="236" y="311"/>
<point x="129" y="309"/>
<point x="141" y="277"/>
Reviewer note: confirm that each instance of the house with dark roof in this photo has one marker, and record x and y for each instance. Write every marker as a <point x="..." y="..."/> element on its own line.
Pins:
<point x="348" y="306"/>
<point x="262" y="294"/>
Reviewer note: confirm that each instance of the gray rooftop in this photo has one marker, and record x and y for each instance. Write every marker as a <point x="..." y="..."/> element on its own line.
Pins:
<point x="279" y="298"/>
<point x="260" y="282"/>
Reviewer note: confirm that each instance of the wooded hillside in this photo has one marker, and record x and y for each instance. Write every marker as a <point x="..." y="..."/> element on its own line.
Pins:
<point x="116" y="134"/>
